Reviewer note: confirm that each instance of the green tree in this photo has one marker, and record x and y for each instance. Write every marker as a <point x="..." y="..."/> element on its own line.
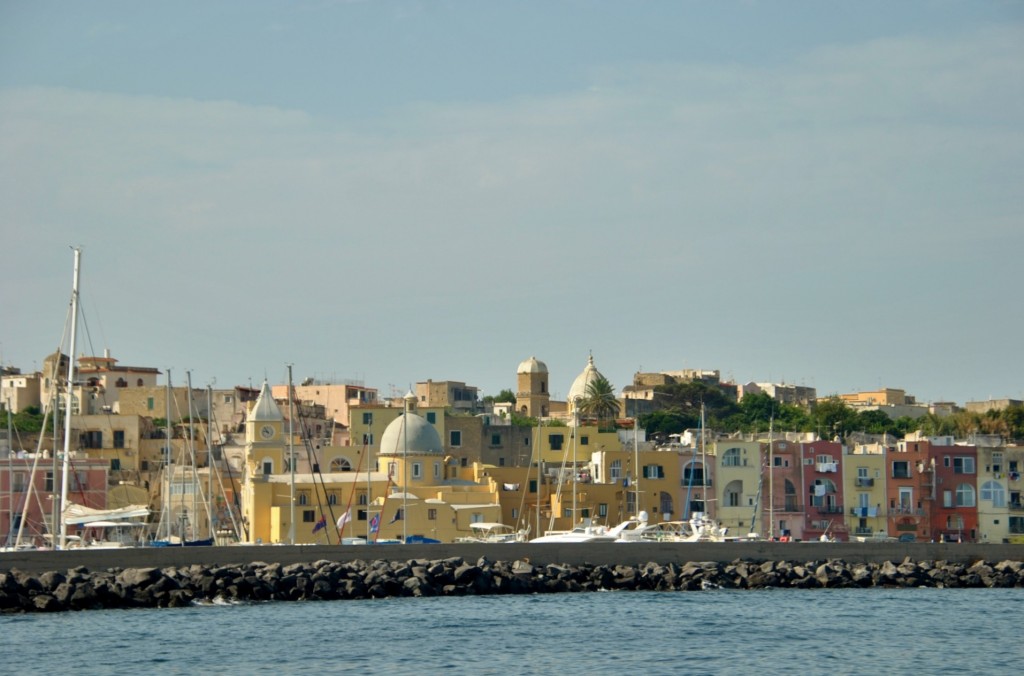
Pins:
<point x="505" y="396"/>
<point x="600" y="400"/>
<point x="667" y="421"/>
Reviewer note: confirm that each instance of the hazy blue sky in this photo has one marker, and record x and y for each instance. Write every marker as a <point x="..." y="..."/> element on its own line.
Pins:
<point x="820" y="193"/>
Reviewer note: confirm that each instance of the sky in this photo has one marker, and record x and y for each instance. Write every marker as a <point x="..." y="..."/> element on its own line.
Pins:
<point x="818" y="193"/>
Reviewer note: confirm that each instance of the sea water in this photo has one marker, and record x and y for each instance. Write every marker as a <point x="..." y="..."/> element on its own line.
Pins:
<point x="824" y="631"/>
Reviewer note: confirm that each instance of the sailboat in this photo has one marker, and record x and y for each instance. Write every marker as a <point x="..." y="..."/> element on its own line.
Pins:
<point x="168" y="514"/>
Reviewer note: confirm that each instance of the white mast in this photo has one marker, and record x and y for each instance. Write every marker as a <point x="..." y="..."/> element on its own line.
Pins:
<point x="70" y="396"/>
<point x="771" y="480"/>
<point x="636" y="464"/>
<point x="407" y="401"/>
<point x="291" y="460"/>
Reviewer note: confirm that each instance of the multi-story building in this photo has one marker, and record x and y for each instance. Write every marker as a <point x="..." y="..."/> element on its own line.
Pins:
<point x="738" y="485"/>
<point x="864" y="483"/>
<point x="954" y="514"/>
<point x="337" y="399"/>
<point x="822" y="463"/>
<point x="451" y="394"/>
<point x="784" y="497"/>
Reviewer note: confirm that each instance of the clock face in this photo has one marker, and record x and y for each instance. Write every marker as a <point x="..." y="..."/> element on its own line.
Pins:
<point x="266" y="431"/>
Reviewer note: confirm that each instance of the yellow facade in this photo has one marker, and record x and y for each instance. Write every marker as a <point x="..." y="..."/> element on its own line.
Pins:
<point x="864" y="490"/>
<point x="738" y="505"/>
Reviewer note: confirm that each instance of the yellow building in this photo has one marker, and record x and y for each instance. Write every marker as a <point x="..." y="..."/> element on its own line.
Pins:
<point x="738" y="506"/>
<point x="864" y="489"/>
<point x="412" y="491"/>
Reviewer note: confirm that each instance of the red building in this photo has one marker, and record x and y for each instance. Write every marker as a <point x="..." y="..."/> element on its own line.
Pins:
<point x="954" y="516"/>
<point x="822" y="469"/>
<point x="87" y="485"/>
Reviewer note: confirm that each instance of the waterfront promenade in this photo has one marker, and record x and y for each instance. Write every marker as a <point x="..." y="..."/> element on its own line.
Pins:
<point x="632" y="554"/>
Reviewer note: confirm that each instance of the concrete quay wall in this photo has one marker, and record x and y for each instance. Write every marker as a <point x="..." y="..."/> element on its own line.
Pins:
<point x="611" y="554"/>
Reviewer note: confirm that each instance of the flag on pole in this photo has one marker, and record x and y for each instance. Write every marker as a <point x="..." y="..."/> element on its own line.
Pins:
<point x="322" y="523"/>
<point x="375" y="523"/>
<point x="398" y="517"/>
<point x="344" y="519"/>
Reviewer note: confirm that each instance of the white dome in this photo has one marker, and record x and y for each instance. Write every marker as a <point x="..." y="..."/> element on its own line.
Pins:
<point x="532" y="365"/>
<point x="423" y="438"/>
<point x="579" y="386"/>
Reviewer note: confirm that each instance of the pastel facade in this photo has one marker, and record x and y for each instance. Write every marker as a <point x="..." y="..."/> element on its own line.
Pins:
<point x="738" y="485"/>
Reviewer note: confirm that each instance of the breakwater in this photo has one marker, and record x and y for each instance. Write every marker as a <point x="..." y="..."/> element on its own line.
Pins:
<point x="81" y="589"/>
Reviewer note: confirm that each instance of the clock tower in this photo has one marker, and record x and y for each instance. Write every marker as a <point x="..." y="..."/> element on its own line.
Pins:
<point x="264" y="436"/>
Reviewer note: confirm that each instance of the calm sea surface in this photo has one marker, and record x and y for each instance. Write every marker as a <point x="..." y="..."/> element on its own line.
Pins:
<point x="873" y="631"/>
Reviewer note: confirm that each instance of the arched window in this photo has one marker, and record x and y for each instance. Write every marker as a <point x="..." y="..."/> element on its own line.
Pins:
<point x="341" y="465"/>
<point x="965" y="495"/>
<point x="615" y="470"/>
<point x="993" y="491"/>
<point x="332" y="498"/>
<point x="303" y="498"/>
<point x="666" y="505"/>
<point x="731" y="458"/>
<point x="734" y="493"/>
<point x="138" y="383"/>
<point x="791" y="500"/>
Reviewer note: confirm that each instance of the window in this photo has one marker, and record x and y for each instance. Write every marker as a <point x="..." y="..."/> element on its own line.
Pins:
<point x="368" y="439"/>
<point x="526" y="441"/>
<point x="303" y="498"/>
<point x="955" y="522"/>
<point x="533" y="485"/>
<point x="997" y="462"/>
<point x="341" y="465"/>
<point x="994" y="493"/>
<point x="361" y="514"/>
<point x="602" y="509"/>
<point x="308" y="516"/>
<point x="584" y="440"/>
<point x="556" y="441"/>
<point x="437" y="470"/>
<point x="432" y="417"/>
<point x="367" y="418"/>
<point x="732" y="493"/>
<point x="900" y="469"/>
<point x="118" y="438"/>
<point x="476" y="517"/>
<point x="268" y="466"/>
<point x="1017" y="524"/>
<point x="965" y="496"/>
<point x="963" y="465"/>
<point x="417" y="470"/>
<point x="115" y="464"/>
<point x="654" y="472"/>
<point x="495" y="440"/>
<point x="332" y="498"/>
<point x="862" y="472"/>
<point x="822" y="459"/>
<point x="455" y="437"/>
<point x="515" y="513"/>
<point x="432" y="514"/>
<point x="48" y="483"/>
<point x="19" y="482"/>
<point x="731" y="458"/>
<point x="361" y="499"/>
<point x="947" y="498"/>
<point x="615" y="470"/>
<point x="149" y="403"/>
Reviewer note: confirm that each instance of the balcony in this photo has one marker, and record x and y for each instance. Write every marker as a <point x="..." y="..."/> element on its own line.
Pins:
<point x="863" y="531"/>
<point x="901" y="474"/>
<point x="865" y="482"/>
<point x="825" y="467"/>
<point x="1016" y="506"/>
<point x="697" y="482"/>
<point x="829" y="509"/>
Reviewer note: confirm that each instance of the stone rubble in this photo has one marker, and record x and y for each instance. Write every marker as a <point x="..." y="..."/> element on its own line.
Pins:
<point x="82" y="589"/>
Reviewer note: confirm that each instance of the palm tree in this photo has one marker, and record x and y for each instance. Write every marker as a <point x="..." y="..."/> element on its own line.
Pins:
<point x="600" y="400"/>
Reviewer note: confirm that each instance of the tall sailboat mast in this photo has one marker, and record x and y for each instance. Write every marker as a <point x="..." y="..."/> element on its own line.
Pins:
<point x="70" y="394"/>
<point x="291" y="461"/>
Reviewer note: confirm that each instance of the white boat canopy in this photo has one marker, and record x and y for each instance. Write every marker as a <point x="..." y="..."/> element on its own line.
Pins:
<point x="80" y="514"/>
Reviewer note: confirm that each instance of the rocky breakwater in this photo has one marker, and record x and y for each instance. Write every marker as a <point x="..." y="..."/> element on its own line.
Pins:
<point x="82" y="589"/>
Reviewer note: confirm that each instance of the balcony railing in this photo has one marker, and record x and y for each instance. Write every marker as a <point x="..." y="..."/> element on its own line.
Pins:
<point x="864" y="482"/>
<point x="863" y="531"/>
<point x="829" y="509"/>
<point x="901" y="474"/>
<point x="1016" y="506"/>
<point x="697" y="481"/>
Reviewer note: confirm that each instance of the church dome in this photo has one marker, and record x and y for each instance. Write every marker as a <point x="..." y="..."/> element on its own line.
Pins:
<point x="532" y="365"/>
<point x="423" y="438"/>
<point x="583" y="380"/>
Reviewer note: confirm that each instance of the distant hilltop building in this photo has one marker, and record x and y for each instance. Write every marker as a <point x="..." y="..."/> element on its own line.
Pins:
<point x="448" y="394"/>
<point x="895" y="403"/>
<point x="533" y="397"/>
<point x="797" y="395"/>
<point x="992" y="405"/>
<point x="638" y="398"/>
